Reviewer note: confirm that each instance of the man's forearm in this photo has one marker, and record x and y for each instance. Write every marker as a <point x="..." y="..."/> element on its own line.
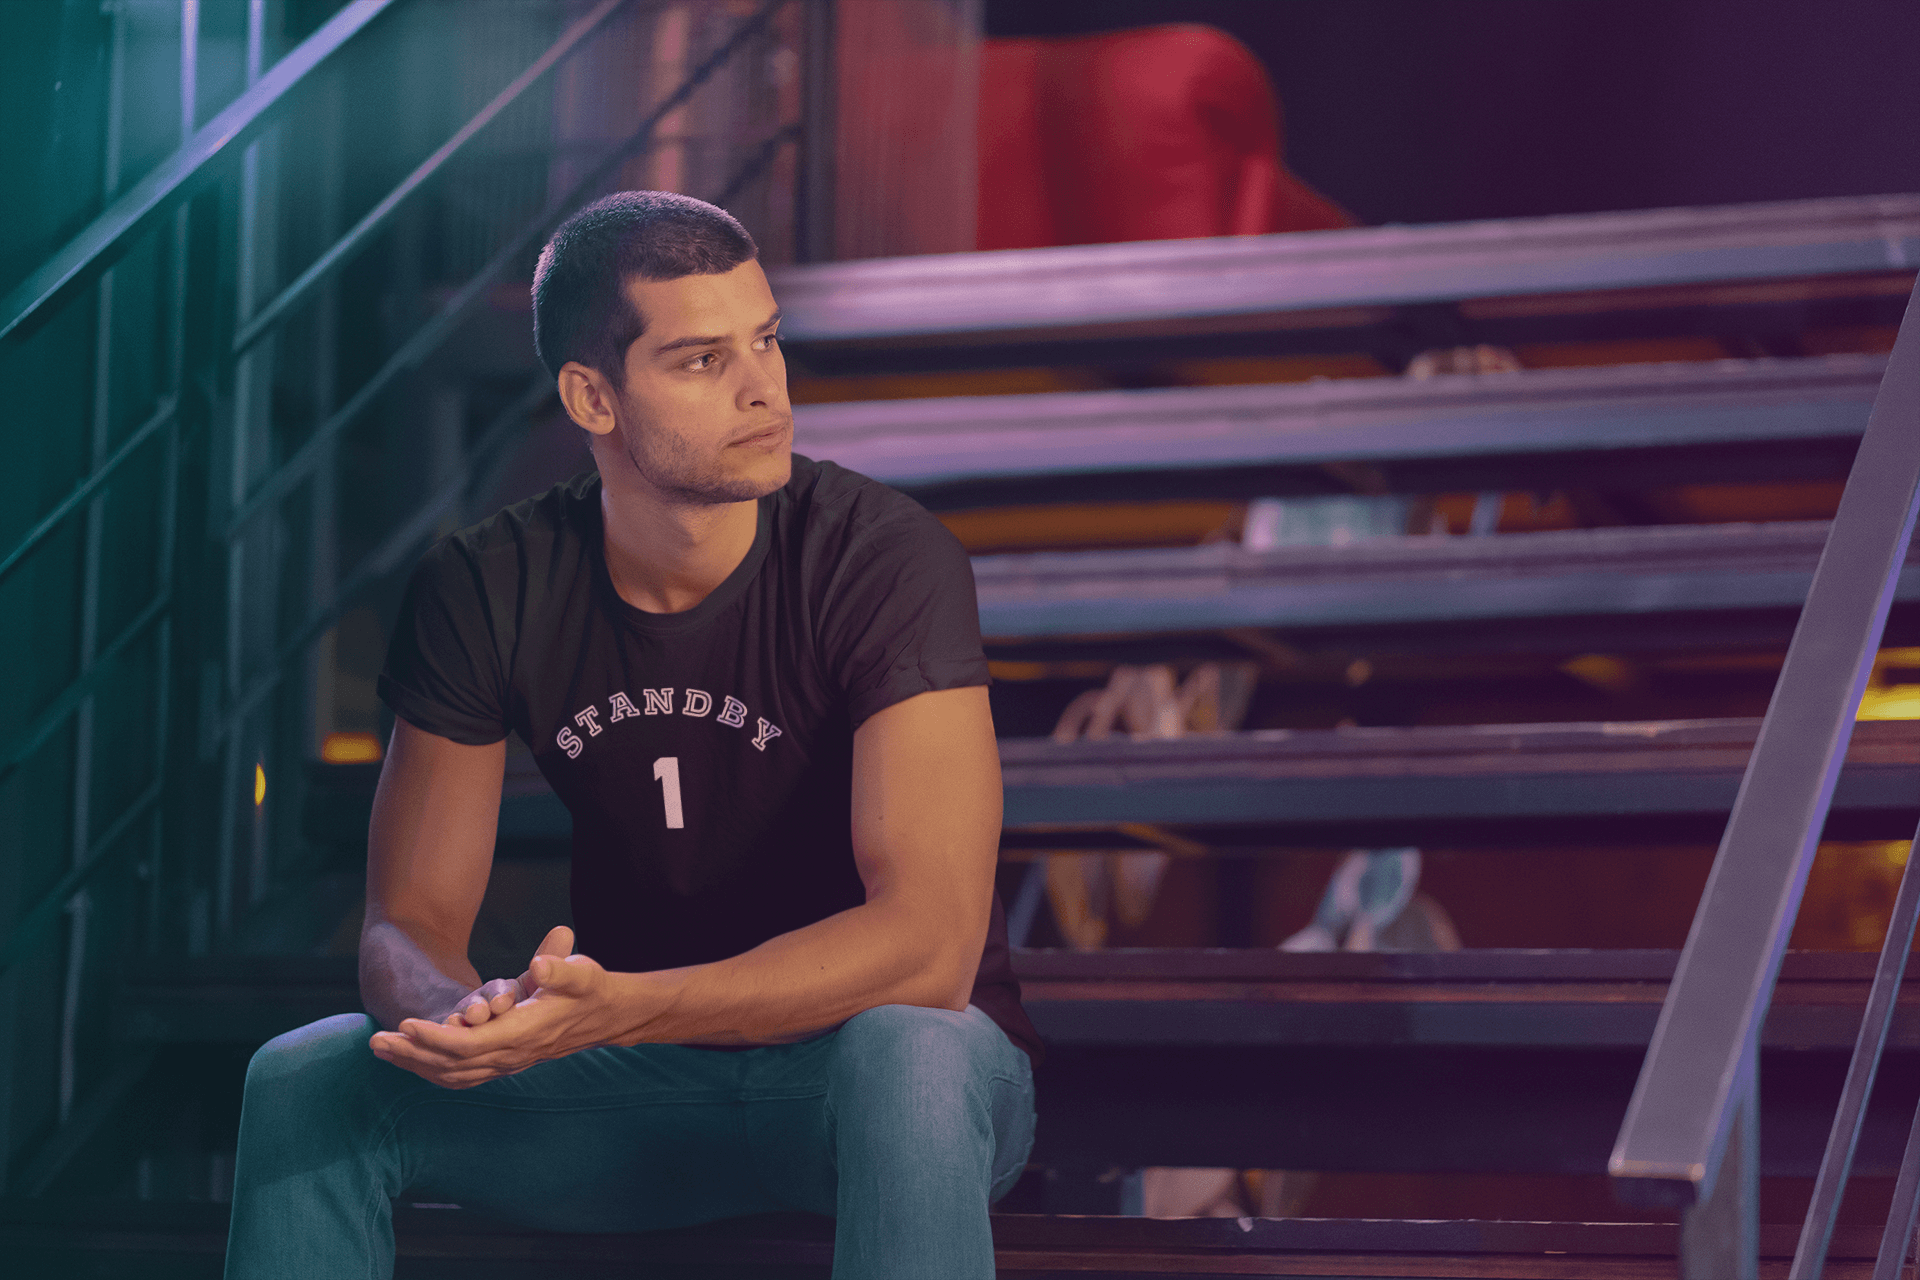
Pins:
<point x="400" y="979"/>
<point x="802" y="983"/>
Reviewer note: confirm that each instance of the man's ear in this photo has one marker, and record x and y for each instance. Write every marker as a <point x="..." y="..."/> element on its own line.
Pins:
<point x="588" y="396"/>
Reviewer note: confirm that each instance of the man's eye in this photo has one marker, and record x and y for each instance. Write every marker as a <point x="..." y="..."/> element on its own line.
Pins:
<point x="702" y="362"/>
<point x="768" y="342"/>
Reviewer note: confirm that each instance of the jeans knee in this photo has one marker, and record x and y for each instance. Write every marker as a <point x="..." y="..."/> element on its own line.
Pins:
<point x="320" y="1064"/>
<point x="917" y="1066"/>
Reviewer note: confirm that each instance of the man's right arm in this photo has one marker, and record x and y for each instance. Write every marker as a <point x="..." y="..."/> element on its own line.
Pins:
<point x="429" y="852"/>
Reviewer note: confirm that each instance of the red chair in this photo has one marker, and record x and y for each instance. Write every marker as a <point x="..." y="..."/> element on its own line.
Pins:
<point x="1156" y="133"/>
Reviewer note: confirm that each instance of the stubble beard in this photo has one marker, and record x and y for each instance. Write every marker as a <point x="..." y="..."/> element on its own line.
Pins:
<point x="675" y="467"/>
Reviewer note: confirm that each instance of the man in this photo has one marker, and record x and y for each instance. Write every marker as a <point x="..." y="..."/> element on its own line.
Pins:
<point x="757" y="683"/>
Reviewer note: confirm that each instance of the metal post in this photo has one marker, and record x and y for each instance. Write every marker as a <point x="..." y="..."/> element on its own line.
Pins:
<point x="1823" y="1209"/>
<point x="1904" y="1213"/>
<point x="323" y="661"/>
<point x="248" y="550"/>
<point x="92" y="543"/>
<point x="1720" y="1236"/>
<point x="820" y="121"/>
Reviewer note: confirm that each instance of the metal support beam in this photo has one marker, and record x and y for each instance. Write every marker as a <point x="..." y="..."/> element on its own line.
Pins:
<point x="1720" y="1235"/>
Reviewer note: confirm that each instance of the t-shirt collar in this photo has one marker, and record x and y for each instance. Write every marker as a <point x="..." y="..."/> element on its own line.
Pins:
<point x="717" y="600"/>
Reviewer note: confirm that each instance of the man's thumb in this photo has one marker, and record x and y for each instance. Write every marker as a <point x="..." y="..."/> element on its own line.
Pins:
<point x="555" y="972"/>
<point x="559" y="944"/>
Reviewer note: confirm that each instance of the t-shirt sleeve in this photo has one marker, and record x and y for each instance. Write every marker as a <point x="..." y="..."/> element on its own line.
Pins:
<point x="902" y="618"/>
<point x="443" y="671"/>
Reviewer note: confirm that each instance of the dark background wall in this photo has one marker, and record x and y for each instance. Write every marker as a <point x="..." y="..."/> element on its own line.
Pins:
<point x="1437" y="110"/>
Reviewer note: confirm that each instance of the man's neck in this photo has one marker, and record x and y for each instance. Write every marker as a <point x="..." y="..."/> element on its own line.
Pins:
<point x="666" y="557"/>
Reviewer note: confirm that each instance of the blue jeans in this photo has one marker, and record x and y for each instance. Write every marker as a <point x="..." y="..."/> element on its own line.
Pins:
<point x="904" y="1125"/>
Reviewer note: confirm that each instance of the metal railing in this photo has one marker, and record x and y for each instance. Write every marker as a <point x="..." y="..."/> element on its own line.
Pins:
<point x="246" y="503"/>
<point x="1690" y="1138"/>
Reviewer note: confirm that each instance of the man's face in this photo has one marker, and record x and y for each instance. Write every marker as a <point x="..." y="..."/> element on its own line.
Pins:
<point x="704" y="414"/>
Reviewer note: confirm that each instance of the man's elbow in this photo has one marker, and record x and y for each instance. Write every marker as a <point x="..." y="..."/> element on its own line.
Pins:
<point x="945" y="981"/>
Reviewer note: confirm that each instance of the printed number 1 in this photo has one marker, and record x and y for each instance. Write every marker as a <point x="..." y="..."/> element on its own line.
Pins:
<point x="666" y="772"/>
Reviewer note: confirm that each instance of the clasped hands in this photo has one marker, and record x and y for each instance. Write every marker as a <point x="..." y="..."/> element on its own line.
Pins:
<point x="559" y="1006"/>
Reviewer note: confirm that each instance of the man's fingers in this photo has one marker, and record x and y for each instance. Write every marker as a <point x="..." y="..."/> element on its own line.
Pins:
<point x="434" y="1068"/>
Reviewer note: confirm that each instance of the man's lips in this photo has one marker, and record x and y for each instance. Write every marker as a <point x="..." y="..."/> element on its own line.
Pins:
<point x="773" y="434"/>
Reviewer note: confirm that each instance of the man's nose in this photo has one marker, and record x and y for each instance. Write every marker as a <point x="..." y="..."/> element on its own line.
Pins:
<point x="761" y="387"/>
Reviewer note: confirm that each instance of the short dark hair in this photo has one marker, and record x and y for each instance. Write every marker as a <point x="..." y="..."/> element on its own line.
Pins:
<point x="580" y="307"/>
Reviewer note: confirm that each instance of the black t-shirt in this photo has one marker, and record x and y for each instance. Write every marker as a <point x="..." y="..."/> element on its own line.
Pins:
<point x="706" y="756"/>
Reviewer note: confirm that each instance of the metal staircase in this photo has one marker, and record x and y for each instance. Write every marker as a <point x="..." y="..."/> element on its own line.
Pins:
<point x="280" y="453"/>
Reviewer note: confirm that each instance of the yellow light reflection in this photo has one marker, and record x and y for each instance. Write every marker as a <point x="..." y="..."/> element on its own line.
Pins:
<point x="259" y="785"/>
<point x="1891" y="702"/>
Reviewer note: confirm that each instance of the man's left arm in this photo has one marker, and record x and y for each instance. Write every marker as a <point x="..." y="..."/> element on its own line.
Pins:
<point x="926" y="832"/>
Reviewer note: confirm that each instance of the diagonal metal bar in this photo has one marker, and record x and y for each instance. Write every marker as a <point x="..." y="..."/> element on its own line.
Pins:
<point x="1896" y="1242"/>
<point x="60" y="1148"/>
<point x="77" y="692"/>
<point x="392" y="549"/>
<point x="86" y="488"/>
<point x="1682" y="1112"/>
<point x="179" y="175"/>
<point x="354" y="240"/>
<point x="54" y="900"/>
<point x="430" y="335"/>
<point x="1823" y="1211"/>
<point x="757" y="163"/>
<point x="74" y="694"/>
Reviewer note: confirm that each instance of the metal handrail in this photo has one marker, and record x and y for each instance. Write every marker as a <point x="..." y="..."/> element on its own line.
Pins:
<point x="160" y="417"/>
<point x="178" y="176"/>
<point x="1698" y="1074"/>
<point x="99" y="853"/>
<point x="70" y="698"/>
<point x="436" y="330"/>
<point x="355" y="239"/>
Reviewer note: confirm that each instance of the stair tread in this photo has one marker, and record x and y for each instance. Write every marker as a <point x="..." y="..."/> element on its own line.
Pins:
<point x="1179" y="996"/>
<point x="1064" y="436"/>
<point x="1104" y="290"/>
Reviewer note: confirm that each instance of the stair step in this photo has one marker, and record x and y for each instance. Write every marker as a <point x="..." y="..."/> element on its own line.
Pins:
<point x="1178" y="997"/>
<point x="1713" y="420"/>
<point x="1338" y="278"/>
<point x="1535" y="999"/>
<point x="1434" y="783"/>
<point x="1488" y="1062"/>
<point x="98" y="1238"/>
<point x="1639" y="573"/>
